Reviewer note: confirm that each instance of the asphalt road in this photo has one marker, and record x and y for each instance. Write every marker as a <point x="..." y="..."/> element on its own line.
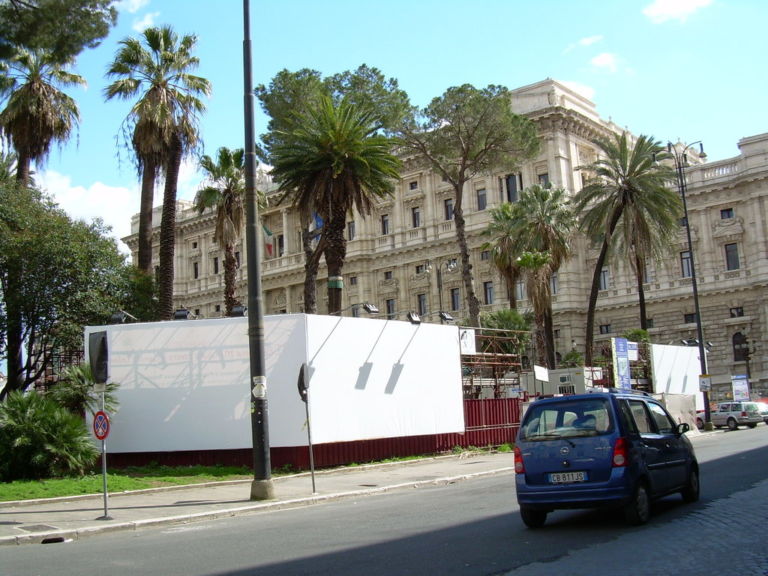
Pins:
<point x="468" y="528"/>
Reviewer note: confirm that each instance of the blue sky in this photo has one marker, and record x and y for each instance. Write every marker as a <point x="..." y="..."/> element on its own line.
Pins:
<point x="675" y="69"/>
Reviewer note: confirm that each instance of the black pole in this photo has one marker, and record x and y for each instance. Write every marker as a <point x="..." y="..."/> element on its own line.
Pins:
<point x="682" y="185"/>
<point x="261" y="487"/>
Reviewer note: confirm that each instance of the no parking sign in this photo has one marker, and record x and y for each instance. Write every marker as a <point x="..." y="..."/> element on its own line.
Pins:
<point x="101" y="425"/>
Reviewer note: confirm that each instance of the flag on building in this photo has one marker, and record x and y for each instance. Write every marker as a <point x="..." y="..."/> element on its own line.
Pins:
<point x="269" y="241"/>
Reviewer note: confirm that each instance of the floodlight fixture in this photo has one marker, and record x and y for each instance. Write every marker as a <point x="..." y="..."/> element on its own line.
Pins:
<point x="182" y="314"/>
<point x="413" y="318"/>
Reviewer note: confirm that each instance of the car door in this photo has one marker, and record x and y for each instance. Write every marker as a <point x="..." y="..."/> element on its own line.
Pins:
<point x="674" y="447"/>
<point x="652" y="446"/>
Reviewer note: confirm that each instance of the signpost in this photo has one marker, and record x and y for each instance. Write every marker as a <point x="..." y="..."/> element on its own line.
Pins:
<point x="101" y="431"/>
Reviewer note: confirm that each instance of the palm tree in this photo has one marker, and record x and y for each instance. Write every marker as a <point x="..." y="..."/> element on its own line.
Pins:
<point x="627" y="183"/>
<point x="162" y="126"/>
<point x="545" y="226"/>
<point x="37" y="113"/>
<point x="503" y="232"/>
<point x="225" y="192"/>
<point x="332" y="162"/>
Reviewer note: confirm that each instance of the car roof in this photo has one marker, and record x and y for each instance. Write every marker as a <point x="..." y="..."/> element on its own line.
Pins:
<point x="609" y="393"/>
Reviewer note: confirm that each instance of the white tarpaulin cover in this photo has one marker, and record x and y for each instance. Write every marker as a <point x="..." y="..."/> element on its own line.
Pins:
<point x="184" y="385"/>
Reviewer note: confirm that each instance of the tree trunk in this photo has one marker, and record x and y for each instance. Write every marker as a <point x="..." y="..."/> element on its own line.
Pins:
<point x="148" y="177"/>
<point x="168" y="230"/>
<point x="641" y="292"/>
<point x="22" y="168"/>
<point x="511" y="277"/>
<point x="335" y="252"/>
<point x="590" y="336"/>
<point x="473" y="303"/>
<point x="311" y="265"/>
<point x="15" y="338"/>
<point x="230" y="279"/>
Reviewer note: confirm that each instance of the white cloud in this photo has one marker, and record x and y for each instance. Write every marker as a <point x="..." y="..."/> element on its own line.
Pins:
<point x="131" y="6"/>
<point x="114" y="205"/>
<point x="662" y="10"/>
<point x="606" y="61"/>
<point x="588" y="41"/>
<point x="146" y="22"/>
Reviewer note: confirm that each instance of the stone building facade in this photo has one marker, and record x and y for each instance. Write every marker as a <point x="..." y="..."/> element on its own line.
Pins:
<point x="401" y="257"/>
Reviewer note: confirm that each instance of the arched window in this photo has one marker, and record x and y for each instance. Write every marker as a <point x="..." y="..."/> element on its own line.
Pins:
<point x="740" y="347"/>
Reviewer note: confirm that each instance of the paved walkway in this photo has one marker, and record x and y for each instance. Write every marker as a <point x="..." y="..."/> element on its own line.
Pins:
<point x="61" y="519"/>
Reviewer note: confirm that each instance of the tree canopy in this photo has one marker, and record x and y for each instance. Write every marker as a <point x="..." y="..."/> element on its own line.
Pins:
<point x="56" y="275"/>
<point x="64" y="28"/>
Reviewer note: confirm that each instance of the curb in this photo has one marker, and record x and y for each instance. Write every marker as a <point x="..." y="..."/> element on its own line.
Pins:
<point x="60" y="536"/>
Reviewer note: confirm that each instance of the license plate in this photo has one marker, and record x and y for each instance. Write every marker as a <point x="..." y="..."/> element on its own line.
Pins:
<point x="565" y="477"/>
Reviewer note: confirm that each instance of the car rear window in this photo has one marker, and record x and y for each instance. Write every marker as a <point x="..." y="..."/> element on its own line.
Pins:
<point x="568" y="418"/>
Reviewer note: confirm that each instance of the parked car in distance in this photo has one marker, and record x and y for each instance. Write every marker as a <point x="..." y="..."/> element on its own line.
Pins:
<point x="735" y="414"/>
<point x="700" y="416"/>
<point x="604" y="449"/>
<point x="763" y="409"/>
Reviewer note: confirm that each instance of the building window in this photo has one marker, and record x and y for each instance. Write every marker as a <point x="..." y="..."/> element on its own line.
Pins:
<point x="510" y="186"/>
<point x="390" y="304"/>
<point x="605" y="328"/>
<point x="685" y="264"/>
<point x="421" y="304"/>
<point x="280" y="244"/>
<point x="421" y="268"/>
<point x="689" y="318"/>
<point x="384" y="224"/>
<point x="195" y="270"/>
<point x="416" y="217"/>
<point x="731" y="257"/>
<point x="218" y="308"/>
<point x="455" y="299"/>
<point x="485" y="255"/>
<point x="520" y="293"/>
<point x="356" y="311"/>
<point x="737" y="312"/>
<point x="237" y="259"/>
<point x="649" y="322"/>
<point x="351" y="230"/>
<point x="726" y="213"/>
<point x="448" y="208"/>
<point x="553" y="283"/>
<point x="482" y="199"/>
<point x="388" y="275"/>
<point x="215" y="264"/>
<point x="544" y="180"/>
<point x="740" y="347"/>
<point x="605" y="278"/>
<point x="488" y="292"/>
<point x="413" y="185"/>
<point x="194" y="245"/>
<point x="353" y="280"/>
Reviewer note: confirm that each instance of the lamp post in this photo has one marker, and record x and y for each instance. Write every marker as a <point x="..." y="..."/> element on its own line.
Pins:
<point x="681" y="160"/>
<point x="450" y="266"/>
<point x="261" y="487"/>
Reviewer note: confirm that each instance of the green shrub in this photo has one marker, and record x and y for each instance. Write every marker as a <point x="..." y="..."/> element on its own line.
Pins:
<point x="40" y="439"/>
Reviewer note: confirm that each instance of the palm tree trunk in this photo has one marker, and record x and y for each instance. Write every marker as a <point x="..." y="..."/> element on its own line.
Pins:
<point x="590" y="336"/>
<point x="466" y="267"/>
<point x="311" y="265"/>
<point x="22" y="168"/>
<point x="230" y="279"/>
<point x="549" y="336"/>
<point x="148" y="176"/>
<point x="511" y="279"/>
<point x="168" y="230"/>
<point x="641" y="292"/>
<point x="335" y="252"/>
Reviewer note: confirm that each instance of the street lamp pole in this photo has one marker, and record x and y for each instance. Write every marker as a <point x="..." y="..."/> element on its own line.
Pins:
<point x="261" y="487"/>
<point x="681" y="160"/>
<point x="449" y="265"/>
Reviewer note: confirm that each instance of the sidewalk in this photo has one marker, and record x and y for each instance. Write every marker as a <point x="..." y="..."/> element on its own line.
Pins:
<point x="62" y="519"/>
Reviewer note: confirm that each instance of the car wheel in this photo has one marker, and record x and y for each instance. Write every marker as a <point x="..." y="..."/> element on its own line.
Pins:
<point x="699" y="423"/>
<point x="691" y="491"/>
<point x="732" y="425"/>
<point x="638" y="509"/>
<point x="533" y="518"/>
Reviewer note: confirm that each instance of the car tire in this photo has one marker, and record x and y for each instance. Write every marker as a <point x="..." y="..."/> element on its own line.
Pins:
<point x="732" y="424"/>
<point x="699" y="423"/>
<point x="533" y="518"/>
<point x="691" y="491"/>
<point x="638" y="510"/>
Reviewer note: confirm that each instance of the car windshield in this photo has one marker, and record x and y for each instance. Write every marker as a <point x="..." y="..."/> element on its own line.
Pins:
<point x="566" y="419"/>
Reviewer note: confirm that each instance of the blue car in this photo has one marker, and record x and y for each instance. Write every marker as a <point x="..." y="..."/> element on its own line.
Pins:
<point x="604" y="449"/>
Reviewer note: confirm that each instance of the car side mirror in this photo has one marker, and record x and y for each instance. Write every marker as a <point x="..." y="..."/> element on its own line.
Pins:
<point x="682" y="428"/>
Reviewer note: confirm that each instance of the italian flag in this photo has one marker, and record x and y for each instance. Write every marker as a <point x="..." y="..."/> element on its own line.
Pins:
<point x="269" y="241"/>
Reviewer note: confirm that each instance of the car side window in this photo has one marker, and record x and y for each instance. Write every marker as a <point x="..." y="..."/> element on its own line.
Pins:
<point x="664" y="423"/>
<point x="725" y="407"/>
<point x="641" y="417"/>
<point x="625" y="413"/>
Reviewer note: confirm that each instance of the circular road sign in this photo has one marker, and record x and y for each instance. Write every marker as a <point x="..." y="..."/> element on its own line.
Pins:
<point x="101" y="425"/>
